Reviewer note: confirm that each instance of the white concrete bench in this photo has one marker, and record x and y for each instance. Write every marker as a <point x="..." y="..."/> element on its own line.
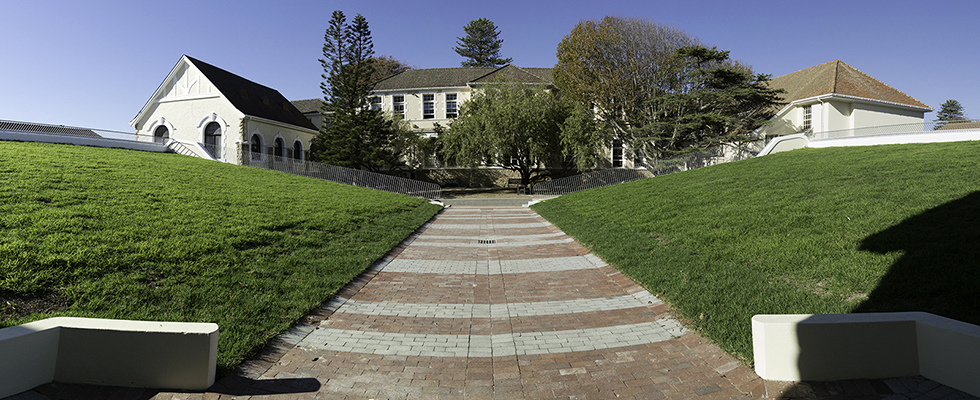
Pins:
<point x="867" y="346"/>
<point x="165" y="355"/>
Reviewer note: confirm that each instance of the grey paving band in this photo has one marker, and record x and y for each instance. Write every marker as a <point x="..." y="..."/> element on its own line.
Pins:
<point x="495" y="226"/>
<point x="498" y="244"/>
<point x="495" y="217"/>
<point x="541" y="236"/>
<point x="410" y="344"/>
<point x="553" y="264"/>
<point x="512" y="310"/>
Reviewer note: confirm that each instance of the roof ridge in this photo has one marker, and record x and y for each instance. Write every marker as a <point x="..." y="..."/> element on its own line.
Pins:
<point x="837" y="64"/>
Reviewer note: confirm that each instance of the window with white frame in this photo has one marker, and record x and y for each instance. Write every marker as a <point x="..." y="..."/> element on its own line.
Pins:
<point x="376" y="102"/>
<point x="451" y="105"/>
<point x="807" y="118"/>
<point x="428" y="106"/>
<point x="398" y="104"/>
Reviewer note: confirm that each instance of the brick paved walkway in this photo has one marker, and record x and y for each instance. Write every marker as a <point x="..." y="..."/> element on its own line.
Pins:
<point x="495" y="302"/>
<point x="488" y="302"/>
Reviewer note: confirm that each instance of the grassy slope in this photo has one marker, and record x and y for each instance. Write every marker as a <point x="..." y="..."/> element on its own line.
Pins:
<point x="884" y="228"/>
<point x="125" y="234"/>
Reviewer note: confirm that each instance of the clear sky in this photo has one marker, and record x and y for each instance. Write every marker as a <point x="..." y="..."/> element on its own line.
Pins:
<point x="95" y="63"/>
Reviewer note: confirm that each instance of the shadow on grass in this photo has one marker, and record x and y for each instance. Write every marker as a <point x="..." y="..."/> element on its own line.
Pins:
<point x="939" y="271"/>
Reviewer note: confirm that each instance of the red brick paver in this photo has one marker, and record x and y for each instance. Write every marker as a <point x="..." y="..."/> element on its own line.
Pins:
<point x="499" y="293"/>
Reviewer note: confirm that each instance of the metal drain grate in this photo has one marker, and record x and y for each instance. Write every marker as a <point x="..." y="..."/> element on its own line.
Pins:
<point x="486" y="241"/>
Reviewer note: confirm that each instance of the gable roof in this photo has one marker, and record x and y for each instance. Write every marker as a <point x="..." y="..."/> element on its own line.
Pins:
<point x="252" y="98"/>
<point x="461" y="76"/>
<point x="248" y="97"/>
<point x="308" y="106"/>
<point x="837" y="77"/>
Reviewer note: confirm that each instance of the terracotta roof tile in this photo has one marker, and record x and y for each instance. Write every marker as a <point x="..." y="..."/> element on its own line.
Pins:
<point x="837" y="77"/>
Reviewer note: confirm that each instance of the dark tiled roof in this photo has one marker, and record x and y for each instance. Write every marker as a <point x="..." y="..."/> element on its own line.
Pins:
<point x="308" y="106"/>
<point x="837" y="77"/>
<point x="461" y="76"/>
<point x="252" y="98"/>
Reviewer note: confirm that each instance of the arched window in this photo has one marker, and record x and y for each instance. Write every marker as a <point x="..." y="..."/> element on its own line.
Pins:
<point x="298" y="150"/>
<point x="212" y="139"/>
<point x="279" y="148"/>
<point x="160" y="134"/>
<point x="255" y="146"/>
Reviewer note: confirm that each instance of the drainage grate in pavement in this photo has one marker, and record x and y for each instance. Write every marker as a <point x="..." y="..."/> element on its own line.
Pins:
<point x="486" y="241"/>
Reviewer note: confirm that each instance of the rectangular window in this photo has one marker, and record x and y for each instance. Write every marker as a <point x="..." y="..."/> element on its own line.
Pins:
<point x="398" y="104"/>
<point x="807" y="119"/>
<point x="376" y="102"/>
<point x="451" y="109"/>
<point x="428" y="106"/>
<point x="617" y="153"/>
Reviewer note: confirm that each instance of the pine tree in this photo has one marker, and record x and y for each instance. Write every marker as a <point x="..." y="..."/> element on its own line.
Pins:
<point x="951" y="111"/>
<point x="480" y="47"/>
<point x="353" y="135"/>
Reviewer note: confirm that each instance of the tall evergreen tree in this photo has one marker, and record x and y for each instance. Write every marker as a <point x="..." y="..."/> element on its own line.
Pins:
<point x="353" y="135"/>
<point x="480" y="47"/>
<point x="951" y="111"/>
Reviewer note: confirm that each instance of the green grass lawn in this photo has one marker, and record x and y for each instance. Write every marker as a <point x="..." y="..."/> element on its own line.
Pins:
<point x="114" y="233"/>
<point x="883" y="228"/>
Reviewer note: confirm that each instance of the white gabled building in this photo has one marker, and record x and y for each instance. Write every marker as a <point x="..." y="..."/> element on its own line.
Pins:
<point x="835" y="96"/>
<point x="223" y="115"/>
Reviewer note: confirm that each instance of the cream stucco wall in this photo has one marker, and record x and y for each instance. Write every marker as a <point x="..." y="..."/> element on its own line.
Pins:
<point x="835" y="113"/>
<point x="877" y="115"/>
<point x="413" y="104"/>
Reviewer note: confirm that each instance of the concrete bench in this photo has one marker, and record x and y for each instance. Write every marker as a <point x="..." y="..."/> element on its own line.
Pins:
<point x="164" y="355"/>
<point x="867" y="346"/>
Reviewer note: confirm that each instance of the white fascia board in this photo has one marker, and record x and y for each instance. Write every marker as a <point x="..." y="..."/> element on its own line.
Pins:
<point x="281" y="124"/>
<point x="826" y="97"/>
<point x="424" y="89"/>
<point x="173" y="72"/>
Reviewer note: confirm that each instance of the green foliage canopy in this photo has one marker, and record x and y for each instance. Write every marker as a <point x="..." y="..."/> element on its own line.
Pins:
<point x="353" y="135"/>
<point x="718" y="102"/>
<point x="631" y="72"/>
<point x="950" y="111"/>
<point x="514" y="125"/>
<point x="481" y="45"/>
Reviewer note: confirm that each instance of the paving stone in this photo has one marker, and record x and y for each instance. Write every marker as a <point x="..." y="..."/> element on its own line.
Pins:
<point x="532" y="314"/>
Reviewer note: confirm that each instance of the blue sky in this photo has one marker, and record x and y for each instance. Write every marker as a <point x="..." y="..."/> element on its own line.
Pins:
<point x="95" y="63"/>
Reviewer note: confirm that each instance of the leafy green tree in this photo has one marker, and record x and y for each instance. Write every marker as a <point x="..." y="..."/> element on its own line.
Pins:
<point x="513" y="125"/>
<point x="718" y="102"/>
<point x="480" y="47"/>
<point x="619" y="66"/>
<point x="385" y="66"/>
<point x="950" y="111"/>
<point x="353" y="134"/>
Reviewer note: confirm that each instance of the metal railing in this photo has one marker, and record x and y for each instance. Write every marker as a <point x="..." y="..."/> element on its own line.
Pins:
<point x="654" y="167"/>
<point x="50" y="129"/>
<point x="588" y="180"/>
<point x="917" y="127"/>
<point x="348" y="176"/>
